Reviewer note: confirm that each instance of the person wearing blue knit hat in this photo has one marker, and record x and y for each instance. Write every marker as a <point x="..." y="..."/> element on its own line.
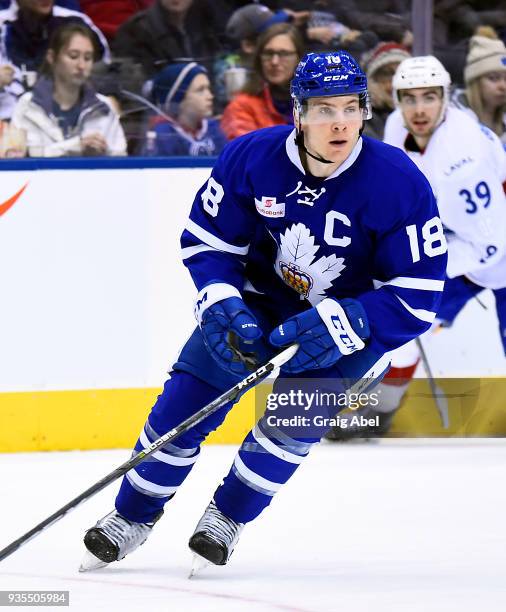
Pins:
<point x="182" y="92"/>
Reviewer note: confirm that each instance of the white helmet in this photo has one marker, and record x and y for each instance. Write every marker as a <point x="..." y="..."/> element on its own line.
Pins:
<point x="423" y="71"/>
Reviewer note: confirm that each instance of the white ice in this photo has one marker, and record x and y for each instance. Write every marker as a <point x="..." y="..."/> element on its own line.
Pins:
<point x="396" y="526"/>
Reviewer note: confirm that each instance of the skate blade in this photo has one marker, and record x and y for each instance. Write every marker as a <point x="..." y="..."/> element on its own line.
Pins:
<point x="90" y="563"/>
<point x="198" y="564"/>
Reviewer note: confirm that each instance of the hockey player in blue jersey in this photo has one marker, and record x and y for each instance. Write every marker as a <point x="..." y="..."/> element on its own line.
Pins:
<point x="316" y="236"/>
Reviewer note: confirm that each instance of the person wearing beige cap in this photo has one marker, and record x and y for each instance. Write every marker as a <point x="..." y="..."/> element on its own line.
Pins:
<point x="484" y="96"/>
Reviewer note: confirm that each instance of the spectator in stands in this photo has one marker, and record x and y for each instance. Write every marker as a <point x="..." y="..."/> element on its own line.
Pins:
<point x="484" y="96"/>
<point x="108" y="15"/>
<point x="317" y="22"/>
<point x="388" y="19"/>
<point x="26" y="27"/>
<point x="183" y="94"/>
<point x="247" y="23"/>
<point x="63" y="115"/>
<point x="170" y="30"/>
<point x="265" y="99"/>
<point x="7" y="97"/>
<point x="323" y="24"/>
<point x="242" y="30"/>
<point x="226" y="8"/>
<point x="380" y="66"/>
<point x="472" y="14"/>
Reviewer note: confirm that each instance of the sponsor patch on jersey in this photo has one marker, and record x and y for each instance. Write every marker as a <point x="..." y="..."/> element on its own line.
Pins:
<point x="268" y="207"/>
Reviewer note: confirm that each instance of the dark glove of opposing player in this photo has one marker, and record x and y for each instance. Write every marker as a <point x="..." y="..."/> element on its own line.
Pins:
<point x="229" y="315"/>
<point x="324" y="333"/>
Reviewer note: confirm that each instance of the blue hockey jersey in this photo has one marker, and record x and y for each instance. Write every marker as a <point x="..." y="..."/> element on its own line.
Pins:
<point x="370" y="231"/>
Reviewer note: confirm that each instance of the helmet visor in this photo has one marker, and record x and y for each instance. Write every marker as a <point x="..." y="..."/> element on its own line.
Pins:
<point x="336" y="109"/>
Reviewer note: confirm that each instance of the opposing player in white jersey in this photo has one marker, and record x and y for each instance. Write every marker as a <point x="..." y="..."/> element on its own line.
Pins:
<point x="466" y="167"/>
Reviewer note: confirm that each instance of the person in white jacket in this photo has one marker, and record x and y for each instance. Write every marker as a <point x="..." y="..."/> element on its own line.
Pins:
<point x="63" y="115"/>
<point x="465" y="164"/>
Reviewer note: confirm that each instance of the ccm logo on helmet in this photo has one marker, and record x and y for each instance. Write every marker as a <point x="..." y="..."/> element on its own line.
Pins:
<point x="336" y="77"/>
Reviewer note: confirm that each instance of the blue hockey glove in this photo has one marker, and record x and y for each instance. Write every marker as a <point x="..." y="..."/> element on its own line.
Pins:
<point x="324" y="333"/>
<point x="221" y="314"/>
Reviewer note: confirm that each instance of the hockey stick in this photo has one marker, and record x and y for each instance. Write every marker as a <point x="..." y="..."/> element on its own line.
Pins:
<point x="232" y="394"/>
<point x="437" y="393"/>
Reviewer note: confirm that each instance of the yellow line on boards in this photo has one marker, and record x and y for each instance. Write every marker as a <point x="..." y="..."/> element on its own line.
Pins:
<point x="94" y="419"/>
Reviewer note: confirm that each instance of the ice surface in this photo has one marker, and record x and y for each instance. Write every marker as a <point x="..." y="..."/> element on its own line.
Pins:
<point x="396" y="526"/>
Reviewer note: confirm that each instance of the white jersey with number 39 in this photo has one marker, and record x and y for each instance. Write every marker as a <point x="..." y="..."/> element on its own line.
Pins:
<point x="465" y="164"/>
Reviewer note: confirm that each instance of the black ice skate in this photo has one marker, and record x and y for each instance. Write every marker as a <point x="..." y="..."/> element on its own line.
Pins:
<point x="214" y="538"/>
<point x="111" y="539"/>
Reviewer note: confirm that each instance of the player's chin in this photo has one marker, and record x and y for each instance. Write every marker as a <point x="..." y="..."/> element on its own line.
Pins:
<point x="337" y="150"/>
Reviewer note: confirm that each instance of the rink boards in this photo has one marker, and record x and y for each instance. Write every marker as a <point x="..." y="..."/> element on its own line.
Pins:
<point x="112" y="418"/>
<point x="96" y="303"/>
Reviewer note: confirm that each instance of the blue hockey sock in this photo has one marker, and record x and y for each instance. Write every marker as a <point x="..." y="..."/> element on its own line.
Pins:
<point x="266" y="460"/>
<point x="146" y="488"/>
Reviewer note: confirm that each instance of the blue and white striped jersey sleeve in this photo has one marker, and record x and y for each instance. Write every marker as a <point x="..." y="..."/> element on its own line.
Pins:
<point x="409" y="266"/>
<point x="218" y="233"/>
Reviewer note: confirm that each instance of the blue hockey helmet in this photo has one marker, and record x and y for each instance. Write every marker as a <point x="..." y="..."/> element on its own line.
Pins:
<point x="334" y="73"/>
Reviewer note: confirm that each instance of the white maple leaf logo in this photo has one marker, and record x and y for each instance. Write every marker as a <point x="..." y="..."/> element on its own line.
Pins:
<point x="296" y="265"/>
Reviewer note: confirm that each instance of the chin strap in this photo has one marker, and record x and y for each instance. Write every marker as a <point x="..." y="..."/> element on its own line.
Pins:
<point x="299" y="141"/>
